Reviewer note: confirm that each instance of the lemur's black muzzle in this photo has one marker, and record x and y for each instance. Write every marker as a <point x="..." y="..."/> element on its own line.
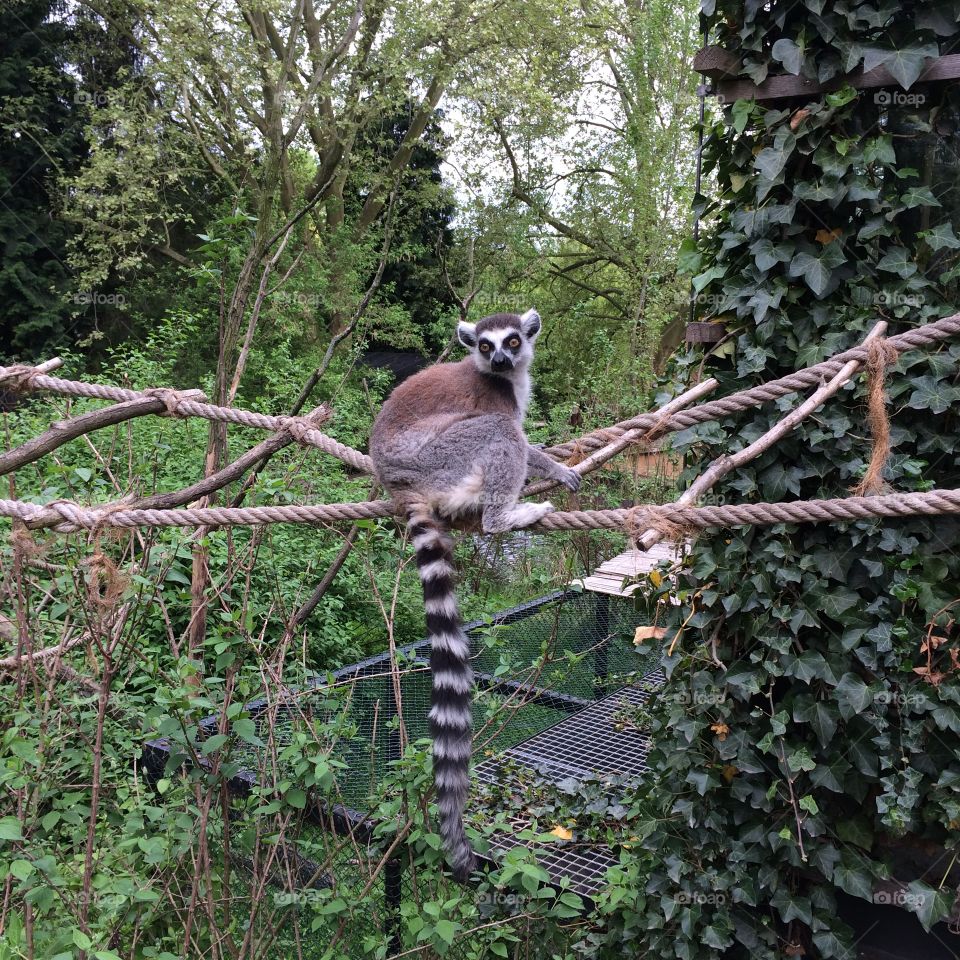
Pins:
<point x="500" y="362"/>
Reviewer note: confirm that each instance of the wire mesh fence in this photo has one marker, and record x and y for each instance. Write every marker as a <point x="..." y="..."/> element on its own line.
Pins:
<point x="552" y="677"/>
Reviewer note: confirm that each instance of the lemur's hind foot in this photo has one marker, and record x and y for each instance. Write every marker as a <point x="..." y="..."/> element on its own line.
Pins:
<point x="521" y="515"/>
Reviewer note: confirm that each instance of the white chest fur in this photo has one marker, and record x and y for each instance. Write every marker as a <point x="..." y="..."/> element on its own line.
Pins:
<point x="521" y="390"/>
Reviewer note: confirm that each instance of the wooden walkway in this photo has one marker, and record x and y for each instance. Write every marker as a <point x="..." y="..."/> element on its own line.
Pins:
<point x="616" y="576"/>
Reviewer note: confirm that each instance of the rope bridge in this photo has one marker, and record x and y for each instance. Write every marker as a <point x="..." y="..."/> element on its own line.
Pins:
<point x="646" y="524"/>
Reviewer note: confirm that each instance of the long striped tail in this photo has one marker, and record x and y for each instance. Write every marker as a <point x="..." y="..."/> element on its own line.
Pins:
<point x="451" y="716"/>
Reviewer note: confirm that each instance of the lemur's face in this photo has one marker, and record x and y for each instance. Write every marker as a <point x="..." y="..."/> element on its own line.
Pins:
<point x="501" y="343"/>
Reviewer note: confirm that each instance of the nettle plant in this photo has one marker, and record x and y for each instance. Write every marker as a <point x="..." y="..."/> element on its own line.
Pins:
<point x="822" y="744"/>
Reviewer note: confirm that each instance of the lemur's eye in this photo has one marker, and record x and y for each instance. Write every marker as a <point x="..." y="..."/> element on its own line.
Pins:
<point x="513" y="342"/>
<point x="484" y="347"/>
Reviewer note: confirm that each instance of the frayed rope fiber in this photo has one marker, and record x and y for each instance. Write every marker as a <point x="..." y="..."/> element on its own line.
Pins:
<point x="880" y="355"/>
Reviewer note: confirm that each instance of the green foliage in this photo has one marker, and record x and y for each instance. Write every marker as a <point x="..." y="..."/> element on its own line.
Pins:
<point x="184" y="176"/>
<point x="830" y="733"/>
<point x="40" y="139"/>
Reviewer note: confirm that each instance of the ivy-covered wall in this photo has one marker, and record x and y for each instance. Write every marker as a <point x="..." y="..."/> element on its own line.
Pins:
<point x="824" y="754"/>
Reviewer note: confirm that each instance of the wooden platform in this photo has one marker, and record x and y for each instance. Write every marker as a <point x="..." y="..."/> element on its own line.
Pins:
<point x="615" y="576"/>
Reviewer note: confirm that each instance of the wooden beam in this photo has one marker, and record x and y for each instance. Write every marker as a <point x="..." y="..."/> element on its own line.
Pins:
<point x="723" y="67"/>
<point x="716" y="63"/>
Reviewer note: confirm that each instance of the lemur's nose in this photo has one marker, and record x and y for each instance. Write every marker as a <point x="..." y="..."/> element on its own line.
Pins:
<point x="500" y="361"/>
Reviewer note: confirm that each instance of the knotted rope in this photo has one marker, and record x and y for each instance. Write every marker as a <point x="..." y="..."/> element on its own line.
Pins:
<point x="174" y="400"/>
<point x="29" y="378"/>
<point x="189" y="403"/>
<point x="66" y="516"/>
<point x="924" y="336"/>
<point x="19" y="377"/>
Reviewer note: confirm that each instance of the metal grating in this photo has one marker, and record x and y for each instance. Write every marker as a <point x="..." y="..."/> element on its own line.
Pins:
<point x="592" y="742"/>
<point x="583" y="865"/>
<point x="588" y="743"/>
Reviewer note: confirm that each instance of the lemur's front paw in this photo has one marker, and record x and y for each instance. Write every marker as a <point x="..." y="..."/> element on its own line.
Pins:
<point x="571" y="479"/>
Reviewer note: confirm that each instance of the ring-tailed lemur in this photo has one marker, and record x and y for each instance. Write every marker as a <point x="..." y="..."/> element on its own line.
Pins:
<point x="449" y="441"/>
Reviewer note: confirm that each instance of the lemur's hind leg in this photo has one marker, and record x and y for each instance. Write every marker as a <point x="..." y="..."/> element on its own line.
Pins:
<point x="479" y="464"/>
<point x="504" y="471"/>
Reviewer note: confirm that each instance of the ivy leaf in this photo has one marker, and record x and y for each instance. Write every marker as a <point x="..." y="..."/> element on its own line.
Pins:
<point x="939" y="20"/>
<point x="701" y="280"/>
<point x="767" y="255"/>
<point x="919" y="197"/>
<point x="821" y="716"/>
<point x="820" y="190"/>
<point x="741" y="115"/>
<point x="810" y="665"/>
<point x="770" y="162"/>
<point x="932" y="394"/>
<point x="853" y="695"/>
<point x="941" y="236"/>
<point x="874" y="57"/>
<point x="930" y="905"/>
<point x="836" y="601"/>
<point x="897" y="260"/>
<point x="789" y="54"/>
<point x="873" y="227"/>
<point x="831" y="775"/>
<point x="689" y="258"/>
<point x="825" y="857"/>
<point x="856" y="882"/>
<point x="907" y="64"/>
<point x="880" y="150"/>
<point x="801" y="760"/>
<point x="817" y="271"/>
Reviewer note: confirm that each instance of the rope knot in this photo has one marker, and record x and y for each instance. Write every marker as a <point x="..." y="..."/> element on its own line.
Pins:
<point x="19" y="377"/>
<point x="300" y="427"/>
<point x="649" y="516"/>
<point x="172" y="399"/>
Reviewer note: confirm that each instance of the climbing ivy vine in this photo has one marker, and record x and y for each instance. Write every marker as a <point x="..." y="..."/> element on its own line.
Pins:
<point x="808" y="740"/>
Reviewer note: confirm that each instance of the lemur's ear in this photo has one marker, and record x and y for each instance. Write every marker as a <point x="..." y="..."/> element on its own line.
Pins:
<point x="530" y="323"/>
<point x="467" y="334"/>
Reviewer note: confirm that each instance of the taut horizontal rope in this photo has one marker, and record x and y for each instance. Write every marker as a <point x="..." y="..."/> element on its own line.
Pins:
<point x="180" y="404"/>
<point x="65" y="516"/>
<point x="185" y="404"/>
<point x="924" y="336"/>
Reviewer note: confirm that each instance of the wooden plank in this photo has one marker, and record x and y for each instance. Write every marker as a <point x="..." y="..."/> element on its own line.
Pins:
<point x="722" y="67"/>
<point x="716" y="63"/>
<point x="610" y="577"/>
<point x="640" y="559"/>
<point x="629" y="568"/>
<point x="610" y="587"/>
<point x="705" y="331"/>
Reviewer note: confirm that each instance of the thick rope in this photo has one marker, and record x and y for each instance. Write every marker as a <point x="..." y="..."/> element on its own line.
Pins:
<point x="30" y="378"/>
<point x="185" y="404"/>
<point x="66" y="516"/>
<point x="924" y="336"/>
